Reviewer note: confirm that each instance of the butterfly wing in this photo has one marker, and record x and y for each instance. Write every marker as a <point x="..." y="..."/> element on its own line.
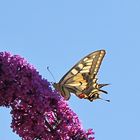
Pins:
<point x="81" y="78"/>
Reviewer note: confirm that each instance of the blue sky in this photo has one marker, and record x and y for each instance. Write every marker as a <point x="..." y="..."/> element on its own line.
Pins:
<point x="58" y="33"/>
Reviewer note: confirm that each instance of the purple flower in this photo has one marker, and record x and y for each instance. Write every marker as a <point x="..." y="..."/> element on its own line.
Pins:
<point x="38" y="112"/>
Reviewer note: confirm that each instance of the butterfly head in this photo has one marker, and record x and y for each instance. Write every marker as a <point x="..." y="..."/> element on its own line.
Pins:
<point x="62" y="90"/>
<point x="56" y="86"/>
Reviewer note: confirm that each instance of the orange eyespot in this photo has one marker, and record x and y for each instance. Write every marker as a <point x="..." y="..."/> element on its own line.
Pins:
<point x="82" y="95"/>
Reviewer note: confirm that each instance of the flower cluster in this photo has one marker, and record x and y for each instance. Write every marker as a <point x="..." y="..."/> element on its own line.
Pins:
<point x="38" y="112"/>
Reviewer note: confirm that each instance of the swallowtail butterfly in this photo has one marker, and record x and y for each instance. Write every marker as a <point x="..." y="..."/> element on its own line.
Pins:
<point x="81" y="79"/>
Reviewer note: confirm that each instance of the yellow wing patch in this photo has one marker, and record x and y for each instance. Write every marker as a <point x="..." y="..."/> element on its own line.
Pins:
<point x="78" y="81"/>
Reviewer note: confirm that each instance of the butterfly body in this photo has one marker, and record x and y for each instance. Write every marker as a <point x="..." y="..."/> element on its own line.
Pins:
<point x="81" y="78"/>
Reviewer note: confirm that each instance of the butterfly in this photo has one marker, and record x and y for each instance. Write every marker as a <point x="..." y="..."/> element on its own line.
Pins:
<point x="81" y="79"/>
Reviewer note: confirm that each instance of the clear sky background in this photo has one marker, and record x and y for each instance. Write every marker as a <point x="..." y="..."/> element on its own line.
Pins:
<point x="58" y="33"/>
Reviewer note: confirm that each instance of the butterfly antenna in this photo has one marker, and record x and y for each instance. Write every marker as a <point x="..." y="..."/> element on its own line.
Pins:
<point x="51" y="73"/>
